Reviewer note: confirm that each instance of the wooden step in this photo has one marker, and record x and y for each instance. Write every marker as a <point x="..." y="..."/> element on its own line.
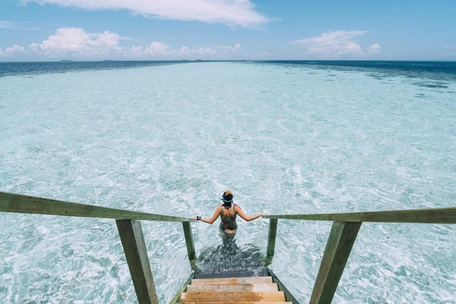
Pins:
<point x="232" y="297"/>
<point x="248" y="280"/>
<point x="241" y="290"/>
<point x="236" y="302"/>
<point x="265" y="287"/>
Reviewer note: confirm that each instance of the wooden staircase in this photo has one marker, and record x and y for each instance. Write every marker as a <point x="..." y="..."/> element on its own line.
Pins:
<point x="240" y="290"/>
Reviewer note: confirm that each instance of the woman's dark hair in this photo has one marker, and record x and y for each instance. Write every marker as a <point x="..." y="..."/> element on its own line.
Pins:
<point x="227" y="198"/>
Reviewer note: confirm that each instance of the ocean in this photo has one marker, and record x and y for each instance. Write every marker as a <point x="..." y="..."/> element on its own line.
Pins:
<point x="287" y="137"/>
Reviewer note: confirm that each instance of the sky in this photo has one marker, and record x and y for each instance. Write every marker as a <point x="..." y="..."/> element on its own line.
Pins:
<point x="49" y="30"/>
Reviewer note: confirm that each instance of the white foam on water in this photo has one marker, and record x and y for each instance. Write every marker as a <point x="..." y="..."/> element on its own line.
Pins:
<point x="170" y="139"/>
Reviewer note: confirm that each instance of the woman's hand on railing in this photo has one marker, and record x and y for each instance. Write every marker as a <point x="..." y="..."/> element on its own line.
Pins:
<point x="259" y="215"/>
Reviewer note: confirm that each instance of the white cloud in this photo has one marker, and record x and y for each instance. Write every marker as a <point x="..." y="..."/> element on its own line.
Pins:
<point x="13" y="50"/>
<point x="228" y="12"/>
<point x="225" y="47"/>
<point x="236" y="48"/>
<point x="161" y="50"/>
<point x="335" y="44"/>
<point x="207" y="51"/>
<point x="78" y="44"/>
<point x="108" y="40"/>
<point x="156" y="48"/>
<point x="187" y="53"/>
<point x="373" y="49"/>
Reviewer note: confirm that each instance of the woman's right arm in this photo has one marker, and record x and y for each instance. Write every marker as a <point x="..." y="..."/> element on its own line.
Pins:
<point x="245" y="216"/>
<point x="213" y="218"/>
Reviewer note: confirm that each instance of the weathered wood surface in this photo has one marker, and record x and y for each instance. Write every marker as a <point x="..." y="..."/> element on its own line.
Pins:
<point x="233" y="297"/>
<point x="233" y="290"/>
<point x="271" y="238"/>
<point x="247" y="280"/>
<point x="189" y="241"/>
<point x="262" y="287"/>
<point x="138" y="262"/>
<point x="18" y="203"/>
<point x="423" y="216"/>
<point x="223" y="302"/>
<point x="340" y="242"/>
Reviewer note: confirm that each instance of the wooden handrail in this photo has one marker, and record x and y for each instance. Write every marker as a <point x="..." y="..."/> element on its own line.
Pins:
<point x="418" y="216"/>
<point x="19" y="203"/>
<point x="343" y="235"/>
<point x="130" y="232"/>
<point x="341" y="239"/>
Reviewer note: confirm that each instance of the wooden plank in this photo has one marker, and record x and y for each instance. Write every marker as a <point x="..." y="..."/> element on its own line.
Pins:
<point x="233" y="288"/>
<point x="247" y="280"/>
<point x="208" y="302"/>
<point x="422" y="216"/>
<point x="189" y="242"/>
<point x="138" y="262"/>
<point x="271" y="240"/>
<point x="340" y="242"/>
<point x="233" y="297"/>
<point x="18" y="203"/>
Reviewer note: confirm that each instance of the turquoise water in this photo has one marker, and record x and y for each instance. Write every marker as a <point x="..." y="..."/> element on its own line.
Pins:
<point x="285" y="138"/>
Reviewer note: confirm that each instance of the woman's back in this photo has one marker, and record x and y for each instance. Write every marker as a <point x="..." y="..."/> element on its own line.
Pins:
<point x="228" y="217"/>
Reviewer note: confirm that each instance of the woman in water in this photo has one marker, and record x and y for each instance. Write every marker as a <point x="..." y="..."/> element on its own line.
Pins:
<point x="227" y="212"/>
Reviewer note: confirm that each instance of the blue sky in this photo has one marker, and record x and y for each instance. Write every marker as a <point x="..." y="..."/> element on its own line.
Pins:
<point x="32" y="30"/>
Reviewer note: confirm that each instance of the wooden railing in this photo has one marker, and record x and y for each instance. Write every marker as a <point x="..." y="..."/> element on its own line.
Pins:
<point x="128" y="225"/>
<point x="343" y="235"/>
<point x="340" y="242"/>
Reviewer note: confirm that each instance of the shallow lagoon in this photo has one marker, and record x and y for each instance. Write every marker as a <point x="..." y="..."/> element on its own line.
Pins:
<point x="169" y="139"/>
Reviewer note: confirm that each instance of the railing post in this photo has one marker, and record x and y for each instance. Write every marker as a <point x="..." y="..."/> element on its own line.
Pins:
<point x="338" y="248"/>
<point x="132" y="238"/>
<point x="271" y="240"/>
<point x="189" y="242"/>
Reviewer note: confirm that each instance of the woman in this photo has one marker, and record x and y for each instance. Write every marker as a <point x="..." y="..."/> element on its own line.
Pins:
<point x="227" y="212"/>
